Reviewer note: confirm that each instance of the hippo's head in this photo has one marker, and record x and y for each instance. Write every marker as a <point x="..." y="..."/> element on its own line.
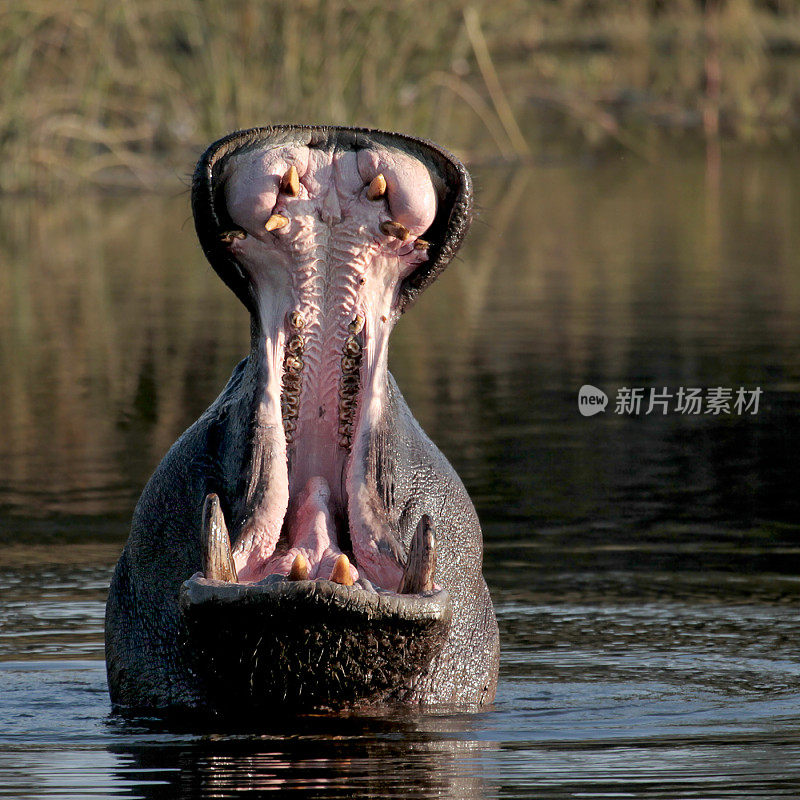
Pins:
<point x="340" y="555"/>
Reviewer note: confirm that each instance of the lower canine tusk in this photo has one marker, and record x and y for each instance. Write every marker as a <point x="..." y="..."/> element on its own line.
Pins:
<point x="217" y="559"/>
<point x="421" y="563"/>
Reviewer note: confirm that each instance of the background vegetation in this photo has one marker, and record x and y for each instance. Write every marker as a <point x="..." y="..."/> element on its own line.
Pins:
<point x="125" y="93"/>
<point x="115" y="334"/>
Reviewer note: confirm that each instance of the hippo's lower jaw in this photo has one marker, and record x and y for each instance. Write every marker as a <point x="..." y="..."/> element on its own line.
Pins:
<point x="289" y="641"/>
<point x="309" y="644"/>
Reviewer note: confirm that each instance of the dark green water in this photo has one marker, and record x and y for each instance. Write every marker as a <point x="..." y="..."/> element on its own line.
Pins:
<point x="645" y="568"/>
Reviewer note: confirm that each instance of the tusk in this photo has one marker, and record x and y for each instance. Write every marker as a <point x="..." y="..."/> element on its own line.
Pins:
<point x="299" y="570"/>
<point x="275" y="222"/>
<point x="217" y="559"/>
<point x="377" y="187"/>
<point x="421" y="563"/>
<point x="341" y="571"/>
<point x="290" y="183"/>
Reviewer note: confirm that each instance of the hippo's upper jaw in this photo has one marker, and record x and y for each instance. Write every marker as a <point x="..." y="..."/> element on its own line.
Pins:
<point x="336" y="502"/>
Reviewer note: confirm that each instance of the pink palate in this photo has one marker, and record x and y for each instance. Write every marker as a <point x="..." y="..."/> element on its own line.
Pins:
<point x="330" y="263"/>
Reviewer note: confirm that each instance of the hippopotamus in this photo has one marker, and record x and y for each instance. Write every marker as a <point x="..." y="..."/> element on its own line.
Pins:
<point x="304" y="545"/>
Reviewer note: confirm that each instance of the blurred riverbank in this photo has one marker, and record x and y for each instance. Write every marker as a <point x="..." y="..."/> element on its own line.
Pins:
<point x="125" y="95"/>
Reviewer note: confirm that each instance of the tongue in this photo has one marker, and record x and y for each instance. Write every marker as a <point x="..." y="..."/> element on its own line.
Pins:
<point x="311" y="534"/>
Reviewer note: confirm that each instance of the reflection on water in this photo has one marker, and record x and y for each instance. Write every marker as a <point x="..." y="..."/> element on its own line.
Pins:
<point x="644" y="568"/>
<point x="410" y="757"/>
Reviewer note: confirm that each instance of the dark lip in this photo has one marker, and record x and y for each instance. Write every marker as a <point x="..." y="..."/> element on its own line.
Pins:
<point x="317" y="596"/>
<point x="454" y="189"/>
<point x="309" y="644"/>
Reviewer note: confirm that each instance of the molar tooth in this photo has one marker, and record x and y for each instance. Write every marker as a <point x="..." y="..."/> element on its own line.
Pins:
<point x="299" y="570"/>
<point x="421" y="562"/>
<point x="341" y="571"/>
<point x="344" y="442"/>
<point x="297" y="320"/>
<point x="290" y="183"/>
<point x="217" y="559"/>
<point x="349" y="363"/>
<point x="275" y="222"/>
<point x="357" y="325"/>
<point x="396" y="229"/>
<point x="377" y="187"/>
<point x="296" y="344"/>
<point x="228" y="236"/>
<point x="349" y="384"/>
<point x="352" y="346"/>
<point x="294" y="364"/>
<point x="421" y="244"/>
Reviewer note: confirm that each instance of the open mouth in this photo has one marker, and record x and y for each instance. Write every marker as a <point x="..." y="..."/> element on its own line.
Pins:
<point x="326" y="234"/>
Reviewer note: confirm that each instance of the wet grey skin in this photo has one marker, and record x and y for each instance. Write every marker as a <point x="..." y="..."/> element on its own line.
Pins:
<point x="304" y="544"/>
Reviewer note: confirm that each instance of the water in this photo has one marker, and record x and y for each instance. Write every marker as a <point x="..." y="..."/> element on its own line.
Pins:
<point x="644" y="568"/>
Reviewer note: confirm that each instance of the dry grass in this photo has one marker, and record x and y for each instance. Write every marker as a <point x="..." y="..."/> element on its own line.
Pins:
<point x="126" y="92"/>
